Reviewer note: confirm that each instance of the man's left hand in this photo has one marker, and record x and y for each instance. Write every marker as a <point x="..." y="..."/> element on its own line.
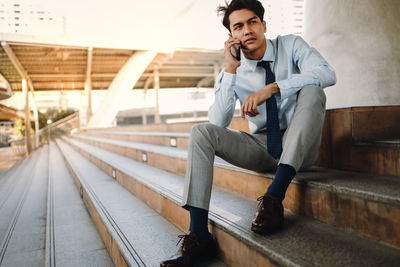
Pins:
<point x="251" y="102"/>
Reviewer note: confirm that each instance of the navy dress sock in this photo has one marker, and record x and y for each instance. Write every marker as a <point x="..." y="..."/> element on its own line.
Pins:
<point x="199" y="222"/>
<point x="283" y="177"/>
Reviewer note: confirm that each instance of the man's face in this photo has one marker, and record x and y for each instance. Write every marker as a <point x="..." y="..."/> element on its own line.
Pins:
<point x="247" y="27"/>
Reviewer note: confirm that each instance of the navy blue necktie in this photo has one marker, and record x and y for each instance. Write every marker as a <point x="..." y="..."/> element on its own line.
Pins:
<point x="274" y="142"/>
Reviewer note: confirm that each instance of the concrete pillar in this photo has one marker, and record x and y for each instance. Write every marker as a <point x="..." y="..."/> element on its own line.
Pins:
<point x="361" y="40"/>
<point x="122" y="83"/>
<point x="36" y="117"/>
<point x="83" y="121"/>
<point x="157" y="118"/>
<point x="28" y="140"/>
<point x="88" y="84"/>
<point x="88" y="96"/>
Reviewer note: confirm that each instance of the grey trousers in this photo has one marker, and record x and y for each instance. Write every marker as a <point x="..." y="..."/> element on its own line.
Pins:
<point x="300" y="143"/>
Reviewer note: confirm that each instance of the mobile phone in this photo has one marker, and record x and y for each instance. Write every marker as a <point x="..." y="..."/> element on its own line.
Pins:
<point x="235" y="51"/>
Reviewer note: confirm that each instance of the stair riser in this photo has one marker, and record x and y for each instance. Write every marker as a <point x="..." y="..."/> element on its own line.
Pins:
<point x="233" y="251"/>
<point x="181" y="142"/>
<point x="107" y="238"/>
<point x="385" y="161"/>
<point x="344" y="127"/>
<point x="364" y="217"/>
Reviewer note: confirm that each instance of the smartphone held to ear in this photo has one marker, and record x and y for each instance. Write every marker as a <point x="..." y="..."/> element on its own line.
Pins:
<point x="235" y="51"/>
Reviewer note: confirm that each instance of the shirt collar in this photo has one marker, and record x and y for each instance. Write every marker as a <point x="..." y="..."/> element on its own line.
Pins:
<point x="269" y="55"/>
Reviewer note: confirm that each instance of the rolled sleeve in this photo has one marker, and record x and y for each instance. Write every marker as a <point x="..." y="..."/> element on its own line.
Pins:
<point x="221" y="111"/>
<point x="313" y="70"/>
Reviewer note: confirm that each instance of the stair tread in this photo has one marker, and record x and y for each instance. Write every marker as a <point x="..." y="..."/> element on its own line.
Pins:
<point x="167" y="134"/>
<point x="76" y="240"/>
<point x="150" y="234"/>
<point x="390" y="143"/>
<point x="27" y="228"/>
<point x="303" y="241"/>
<point x="377" y="187"/>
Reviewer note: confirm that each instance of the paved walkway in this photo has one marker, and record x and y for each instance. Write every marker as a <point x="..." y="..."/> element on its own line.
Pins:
<point x="7" y="159"/>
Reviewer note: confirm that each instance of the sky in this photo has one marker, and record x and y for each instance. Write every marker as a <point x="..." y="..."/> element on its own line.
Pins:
<point x="148" y="24"/>
<point x="137" y="24"/>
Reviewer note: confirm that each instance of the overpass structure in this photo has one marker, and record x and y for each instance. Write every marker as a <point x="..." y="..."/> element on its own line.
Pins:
<point x="32" y="67"/>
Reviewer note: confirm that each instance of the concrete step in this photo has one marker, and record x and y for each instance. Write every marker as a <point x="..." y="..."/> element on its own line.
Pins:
<point x="346" y="128"/>
<point x="303" y="242"/>
<point x="23" y="242"/>
<point x="8" y="159"/>
<point x="12" y="189"/>
<point x="8" y="171"/>
<point x="173" y="139"/>
<point x="71" y="238"/>
<point x="343" y="131"/>
<point x="133" y="233"/>
<point x="237" y="123"/>
<point x="378" y="156"/>
<point x="362" y="203"/>
<point x="7" y="177"/>
<point x="375" y="156"/>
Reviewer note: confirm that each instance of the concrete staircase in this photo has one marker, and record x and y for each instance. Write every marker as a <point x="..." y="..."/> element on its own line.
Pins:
<point x="43" y="220"/>
<point x="111" y="197"/>
<point x="61" y="210"/>
<point x="333" y="217"/>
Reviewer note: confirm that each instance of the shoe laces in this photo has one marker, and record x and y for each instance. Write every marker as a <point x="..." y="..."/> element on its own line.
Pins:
<point x="188" y="241"/>
<point x="268" y="205"/>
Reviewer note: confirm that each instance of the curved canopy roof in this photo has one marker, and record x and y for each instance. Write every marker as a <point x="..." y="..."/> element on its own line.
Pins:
<point x="57" y="67"/>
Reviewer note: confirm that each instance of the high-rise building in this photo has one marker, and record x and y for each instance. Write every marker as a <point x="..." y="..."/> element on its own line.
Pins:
<point x="28" y="17"/>
<point x="284" y="17"/>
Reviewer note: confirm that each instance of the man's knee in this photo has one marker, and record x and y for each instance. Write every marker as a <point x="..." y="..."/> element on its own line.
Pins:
<point x="312" y="95"/>
<point x="202" y="130"/>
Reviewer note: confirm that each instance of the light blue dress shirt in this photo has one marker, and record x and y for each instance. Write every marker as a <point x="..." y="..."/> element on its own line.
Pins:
<point x="295" y="65"/>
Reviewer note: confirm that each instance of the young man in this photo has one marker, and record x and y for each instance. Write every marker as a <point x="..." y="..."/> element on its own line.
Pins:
<point x="279" y="84"/>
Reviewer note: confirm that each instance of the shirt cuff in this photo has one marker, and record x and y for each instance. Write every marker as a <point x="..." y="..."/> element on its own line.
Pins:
<point x="284" y="88"/>
<point x="228" y="79"/>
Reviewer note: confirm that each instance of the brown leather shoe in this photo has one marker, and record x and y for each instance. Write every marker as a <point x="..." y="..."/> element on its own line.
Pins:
<point x="192" y="251"/>
<point x="269" y="216"/>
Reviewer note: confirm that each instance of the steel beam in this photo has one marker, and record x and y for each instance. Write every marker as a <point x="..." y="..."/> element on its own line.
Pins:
<point x="88" y="84"/>
<point x="163" y="74"/>
<point x="112" y="75"/>
<point x="156" y="78"/>
<point x="28" y="140"/>
<point x="25" y="77"/>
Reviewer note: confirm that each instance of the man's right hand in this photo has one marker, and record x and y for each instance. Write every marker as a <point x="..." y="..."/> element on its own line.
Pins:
<point x="231" y="63"/>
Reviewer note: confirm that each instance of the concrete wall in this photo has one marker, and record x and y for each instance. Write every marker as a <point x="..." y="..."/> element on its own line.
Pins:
<point x="361" y="40"/>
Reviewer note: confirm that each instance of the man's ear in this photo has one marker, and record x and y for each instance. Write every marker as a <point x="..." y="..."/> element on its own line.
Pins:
<point x="265" y="26"/>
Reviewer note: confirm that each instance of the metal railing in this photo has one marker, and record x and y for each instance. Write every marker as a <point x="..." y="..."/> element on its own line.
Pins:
<point x="54" y="130"/>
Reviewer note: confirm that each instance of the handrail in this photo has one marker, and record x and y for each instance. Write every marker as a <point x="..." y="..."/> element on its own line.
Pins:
<point x="18" y="144"/>
<point x="59" y="122"/>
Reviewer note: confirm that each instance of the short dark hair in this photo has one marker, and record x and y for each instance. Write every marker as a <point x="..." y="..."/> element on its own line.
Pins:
<point x="253" y="5"/>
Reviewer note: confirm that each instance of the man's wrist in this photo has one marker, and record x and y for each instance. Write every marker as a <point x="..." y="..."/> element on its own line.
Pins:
<point x="271" y="89"/>
<point x="274" y="88"/>
<point x="230" y="69"/>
